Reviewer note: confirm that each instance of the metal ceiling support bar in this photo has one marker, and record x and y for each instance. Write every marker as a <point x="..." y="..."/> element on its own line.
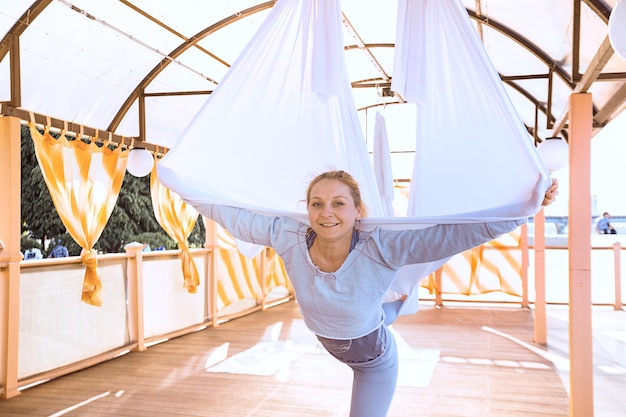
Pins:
<point x="141" y="105"/>
<point x="371" y="83"/>
<point x="576" y="41"/>
<point x="536" y="127"/>
<point x="15" y="71"/>
<point x="614" y="105"/>
<point x="550" y="63"/>
<point x="361" y="46"/>
<point x="179" y="93"/>
<point x="117" y="119"/>
<point x="171" y="30"/>
<point x="596" y="65"/>
<point x="11" y="44"/>
<point x="506" y="78"/>
<point x="22" y="23"/>
<point x="600" y="8"/>
<point x="612" y="76"/>
<point x="368" y="52"/>
<point x="134" y="39"/>
<point x="526" y="44"/>
<point x="479" y="22"/>
<point x="549" y="120"/>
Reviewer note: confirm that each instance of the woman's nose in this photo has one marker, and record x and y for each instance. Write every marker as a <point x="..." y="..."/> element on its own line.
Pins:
<point x="328" y="209"/>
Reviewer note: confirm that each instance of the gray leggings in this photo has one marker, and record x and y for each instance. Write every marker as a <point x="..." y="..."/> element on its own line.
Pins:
<point x="374" y="362"/>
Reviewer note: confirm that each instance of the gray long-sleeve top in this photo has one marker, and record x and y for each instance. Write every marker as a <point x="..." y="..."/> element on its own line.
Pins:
<point x="347" y="303"/>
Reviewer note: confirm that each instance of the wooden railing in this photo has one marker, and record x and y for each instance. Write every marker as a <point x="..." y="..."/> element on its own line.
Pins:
<point x="144" y="303"/>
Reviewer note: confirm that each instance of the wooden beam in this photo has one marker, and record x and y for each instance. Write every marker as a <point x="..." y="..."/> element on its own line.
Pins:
<point x="73" y="129"/>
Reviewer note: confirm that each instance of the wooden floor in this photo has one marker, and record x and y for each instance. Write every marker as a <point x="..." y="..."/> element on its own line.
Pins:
<point x="452" y="366"/>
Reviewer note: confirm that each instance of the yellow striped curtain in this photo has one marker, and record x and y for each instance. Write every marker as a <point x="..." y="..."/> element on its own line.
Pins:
<point x="239" y="277"/>
<point x="84" y="180"/>
<point x="493" y="266"/>
<point x="177" y="218"/>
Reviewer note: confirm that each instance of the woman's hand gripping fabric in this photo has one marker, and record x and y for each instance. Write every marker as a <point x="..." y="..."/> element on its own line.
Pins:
<point x="551" y="193"/>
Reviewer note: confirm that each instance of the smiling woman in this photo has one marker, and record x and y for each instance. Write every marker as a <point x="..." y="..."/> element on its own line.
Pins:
<point x="342" y="274"/>
<point x="335" y="210"/>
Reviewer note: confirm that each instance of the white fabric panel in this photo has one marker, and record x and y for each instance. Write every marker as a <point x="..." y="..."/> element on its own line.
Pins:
<point x="382" y="166"/>
<point x="283" y="114"/>
<point x="57" y="328"/>
<point x="473" y="153"/>
<point x="167" y="304"/>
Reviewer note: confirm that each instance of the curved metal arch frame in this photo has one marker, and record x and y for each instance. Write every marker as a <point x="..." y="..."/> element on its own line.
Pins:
<point x="553" y="66"/>
<point x="138" y="92"/>
<point x="599" y="7"/>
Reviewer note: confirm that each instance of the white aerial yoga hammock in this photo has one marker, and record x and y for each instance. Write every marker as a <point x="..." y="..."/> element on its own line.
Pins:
<point x="285" y="113"/>
<point x="383" y="171"/>
<point x="470" y="141"/>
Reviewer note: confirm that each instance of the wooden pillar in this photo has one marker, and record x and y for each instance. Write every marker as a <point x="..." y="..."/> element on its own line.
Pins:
<point x="541" y="332"/>
<point x="10" y="256"/>
<point x="210" y="243"/>
<point x="524" y="274"/>
<point x="579" y="243"/>
<point x="134" y="268"/>
<point x="617" y="261"/>
<point x="438" y="300"/>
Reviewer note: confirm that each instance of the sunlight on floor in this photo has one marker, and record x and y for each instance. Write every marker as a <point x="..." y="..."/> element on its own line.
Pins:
<point x="273" y="357"/>
<point x="83" y="403"/>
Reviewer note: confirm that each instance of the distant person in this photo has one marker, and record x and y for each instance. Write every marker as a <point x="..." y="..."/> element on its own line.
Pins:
<point x="32" y="252"/>
<point x="59" y="250"/>
<point x="604" y="227"/>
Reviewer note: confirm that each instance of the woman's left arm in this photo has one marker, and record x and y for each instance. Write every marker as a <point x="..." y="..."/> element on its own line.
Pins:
<point x="445" y="240"/>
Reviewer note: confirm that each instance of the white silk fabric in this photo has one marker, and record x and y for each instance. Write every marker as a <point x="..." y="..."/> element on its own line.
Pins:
<point x="383" y="171"/>
<point x="284" y="113"/>
<point x="473" y="153"/>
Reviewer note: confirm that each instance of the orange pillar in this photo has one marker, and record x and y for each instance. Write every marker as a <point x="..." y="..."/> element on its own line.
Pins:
<point x="212" y="245"/>
<point x="524" y="274"/>
<point x="10" y="256"/>
<point x="540" y="279"/>
<point x="134" y="271"/>
<point x="579" y="242"/>
<point x="617" y="261"/>
<point x="438" y="288"/>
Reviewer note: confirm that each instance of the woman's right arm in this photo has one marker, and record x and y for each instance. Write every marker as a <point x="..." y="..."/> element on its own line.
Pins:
<point x="241" y="223"/>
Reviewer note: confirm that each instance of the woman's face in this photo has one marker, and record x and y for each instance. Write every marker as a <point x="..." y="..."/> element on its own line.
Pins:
<point x="332" y="212"/>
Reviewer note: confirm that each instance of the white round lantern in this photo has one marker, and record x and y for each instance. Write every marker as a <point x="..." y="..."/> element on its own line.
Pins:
<point x="140" y="162"/>
<point x="554" y="153"/>
<point x="617" y="28"/>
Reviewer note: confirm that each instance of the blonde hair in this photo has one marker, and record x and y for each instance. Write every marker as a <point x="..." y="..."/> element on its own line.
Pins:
<point x="345" y="178"/>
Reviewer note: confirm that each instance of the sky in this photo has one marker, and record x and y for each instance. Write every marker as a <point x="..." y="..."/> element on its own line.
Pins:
<point x="608" y="173"/>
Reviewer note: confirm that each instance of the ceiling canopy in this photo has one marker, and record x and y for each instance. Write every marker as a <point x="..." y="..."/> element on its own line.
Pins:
<point x="143" y="68"/>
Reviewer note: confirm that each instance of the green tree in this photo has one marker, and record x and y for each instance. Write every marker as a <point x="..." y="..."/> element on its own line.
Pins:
<point x="39" y="216"/>
<point x="132" y="218"/>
